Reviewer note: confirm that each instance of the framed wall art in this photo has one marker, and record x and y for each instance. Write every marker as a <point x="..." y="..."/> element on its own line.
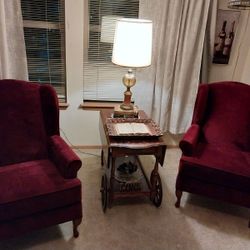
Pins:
<point x="226" y="25"/>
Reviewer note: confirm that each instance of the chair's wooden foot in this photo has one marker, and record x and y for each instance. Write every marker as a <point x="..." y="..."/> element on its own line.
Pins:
<point x="249" y="224"/>
<point x="102" y="158"/>
<point x="178" y="194"/>
<point x="76" y="223"/>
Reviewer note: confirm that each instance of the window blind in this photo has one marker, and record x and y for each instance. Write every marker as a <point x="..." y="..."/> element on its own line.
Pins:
<point x="102" y="80"/>
<point x="44" y="34"/>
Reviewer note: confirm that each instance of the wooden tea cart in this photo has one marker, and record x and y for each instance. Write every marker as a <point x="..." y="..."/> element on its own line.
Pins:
<point x="118" y="150"/>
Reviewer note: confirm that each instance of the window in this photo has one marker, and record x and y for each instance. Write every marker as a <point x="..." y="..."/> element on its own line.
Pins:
<point x="102" y="79"/>
<point x="43" y="23"/>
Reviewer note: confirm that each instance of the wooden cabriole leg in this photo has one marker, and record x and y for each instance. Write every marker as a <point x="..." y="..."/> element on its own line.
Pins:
<point x="102" y="158"/>
<point x="76" y="223"/>
<point x="178" y="194"/>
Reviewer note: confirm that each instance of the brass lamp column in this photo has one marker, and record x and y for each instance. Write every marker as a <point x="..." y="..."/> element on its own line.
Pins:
<point x="129" y="81"/>
<point x="132" y="48"/>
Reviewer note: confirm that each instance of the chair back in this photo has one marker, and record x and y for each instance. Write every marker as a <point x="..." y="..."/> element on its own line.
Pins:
<point x="224" y="113"/>
<point x="23" y="135"/>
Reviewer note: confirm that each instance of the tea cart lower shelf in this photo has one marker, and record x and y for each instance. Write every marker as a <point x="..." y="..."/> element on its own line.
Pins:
<point x="130" y="185"/>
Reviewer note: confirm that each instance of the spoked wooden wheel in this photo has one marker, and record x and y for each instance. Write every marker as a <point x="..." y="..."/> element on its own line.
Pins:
<point x="104" y="192"/>
<point x="156" y="189"/>
<point x="102" y="158"/>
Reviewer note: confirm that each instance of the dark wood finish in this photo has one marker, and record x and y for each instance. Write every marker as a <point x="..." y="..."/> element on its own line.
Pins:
<point x="104" y="192"/>
<point x="115" y="149"/>
<point x="76" y="223"/>
<point x="178" y="194"/>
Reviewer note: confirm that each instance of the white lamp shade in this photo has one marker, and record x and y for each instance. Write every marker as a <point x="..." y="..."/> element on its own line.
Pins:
<point x="108" y="28"/>
<point x="132" y="43"/>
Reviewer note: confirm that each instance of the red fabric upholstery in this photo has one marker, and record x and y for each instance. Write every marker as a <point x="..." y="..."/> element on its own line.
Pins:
<point x="37" y="168"/>
<point x="189" y="141"/>
<point x="200" y="104"/>
<point x="219" y="165"/>
<point x="67" y="163"/>
<point x="38" y="187"/>
<point x="217" y="155"/>
<point x="36" y="221"/>
<point x="50" y="110"/>
<point x="22" y="131"/>
<point x="227" y="118"/>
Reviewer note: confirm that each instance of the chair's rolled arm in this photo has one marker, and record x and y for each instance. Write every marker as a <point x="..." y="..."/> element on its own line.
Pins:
<point x="189" y="140"/>
<point x="67" y="162"/>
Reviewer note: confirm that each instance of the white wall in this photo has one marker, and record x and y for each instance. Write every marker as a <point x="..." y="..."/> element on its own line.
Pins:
<point x="239" y="63"/>
<point x="80" y="126"/>
<point x="246" y="68"/>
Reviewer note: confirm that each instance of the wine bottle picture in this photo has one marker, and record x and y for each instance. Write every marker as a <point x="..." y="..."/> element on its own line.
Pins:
<point x="225" y="34"/>
<point x="221" y="40"/>
<point x="229" y="42"/>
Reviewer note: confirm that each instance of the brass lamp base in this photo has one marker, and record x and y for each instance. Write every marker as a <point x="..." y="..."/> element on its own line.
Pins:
<point x="122" y="113"/>
<point x="125" y="106"/>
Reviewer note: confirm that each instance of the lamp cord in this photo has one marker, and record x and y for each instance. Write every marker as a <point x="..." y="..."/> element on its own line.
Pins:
<point x="77" y="149"/>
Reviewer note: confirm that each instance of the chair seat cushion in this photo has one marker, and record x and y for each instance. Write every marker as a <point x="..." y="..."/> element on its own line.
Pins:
<point x="34" y="186"/>
<point x="219" y="164"/>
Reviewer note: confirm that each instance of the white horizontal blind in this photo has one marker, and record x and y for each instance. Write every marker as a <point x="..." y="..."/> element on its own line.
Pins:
<point x="45" y="42"/>
<point x="102" y="79"/>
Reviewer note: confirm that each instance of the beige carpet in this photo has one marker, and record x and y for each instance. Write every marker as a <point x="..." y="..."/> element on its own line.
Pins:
<point x="199" y="224"/>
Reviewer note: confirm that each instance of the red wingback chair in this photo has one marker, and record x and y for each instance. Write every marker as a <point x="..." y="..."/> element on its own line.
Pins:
<point x="216" y="148"/>
<point x="38" y="184"/>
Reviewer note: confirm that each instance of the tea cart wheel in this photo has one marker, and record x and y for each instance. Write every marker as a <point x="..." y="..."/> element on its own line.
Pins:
<point x="151" y="177"/>
<point x="156" y="189"/>
<point x="102" y="158"/>
<point x="104" y="192"/>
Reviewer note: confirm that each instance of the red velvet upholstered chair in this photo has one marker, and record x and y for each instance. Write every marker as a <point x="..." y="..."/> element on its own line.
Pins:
<point x="216" y="148"/>
<point x="38" y="184"/>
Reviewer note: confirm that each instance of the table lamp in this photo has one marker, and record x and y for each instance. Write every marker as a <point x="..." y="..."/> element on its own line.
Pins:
<point x="133" y="49"/>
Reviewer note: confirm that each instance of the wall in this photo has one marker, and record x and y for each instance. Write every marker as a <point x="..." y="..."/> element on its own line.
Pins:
<point x="79" y="126"/>
<point x="246" y="72"/>
<point x="238" y="67"/>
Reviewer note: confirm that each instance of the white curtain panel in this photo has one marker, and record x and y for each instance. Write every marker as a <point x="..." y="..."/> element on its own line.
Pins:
<point x="173" y="79"/>
<point x="13" y="61"/>
<point x="208" y="46"/>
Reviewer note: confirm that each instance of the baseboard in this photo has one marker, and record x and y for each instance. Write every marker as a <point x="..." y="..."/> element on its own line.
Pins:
<point x="104" y="146"/>
<point x="87" y="146"/>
